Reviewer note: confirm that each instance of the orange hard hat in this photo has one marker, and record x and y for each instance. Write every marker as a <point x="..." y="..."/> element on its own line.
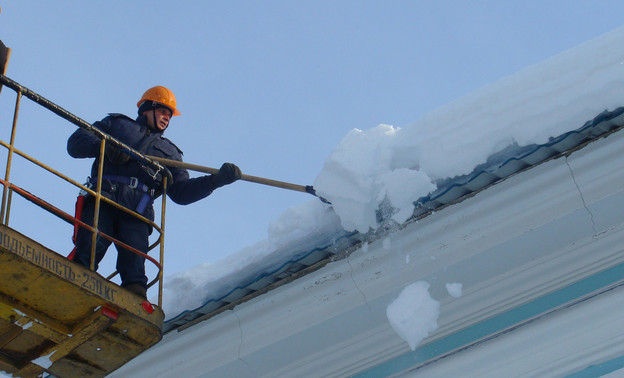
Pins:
<point x="162" y="96"/>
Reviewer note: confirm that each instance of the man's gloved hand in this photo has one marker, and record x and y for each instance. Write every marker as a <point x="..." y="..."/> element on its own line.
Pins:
<point x="115" y="156"/>
<point x="228" y="173"/>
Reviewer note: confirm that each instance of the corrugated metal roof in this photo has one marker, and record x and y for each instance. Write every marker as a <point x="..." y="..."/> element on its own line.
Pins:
<point x="499" y="166"/>
<point x="514" y="159"/>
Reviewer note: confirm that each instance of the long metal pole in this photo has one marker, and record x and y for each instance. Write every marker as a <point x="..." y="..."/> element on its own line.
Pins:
<point x="212" y="171"/>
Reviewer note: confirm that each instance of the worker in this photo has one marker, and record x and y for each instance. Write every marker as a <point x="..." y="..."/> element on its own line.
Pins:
<point x="134" y="185"/>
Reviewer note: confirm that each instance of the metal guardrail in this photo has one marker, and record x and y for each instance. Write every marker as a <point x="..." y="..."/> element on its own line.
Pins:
<point x="10" y="188"/>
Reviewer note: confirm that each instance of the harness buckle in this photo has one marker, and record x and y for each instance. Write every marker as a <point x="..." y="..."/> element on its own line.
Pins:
<point x="134" y="182"/>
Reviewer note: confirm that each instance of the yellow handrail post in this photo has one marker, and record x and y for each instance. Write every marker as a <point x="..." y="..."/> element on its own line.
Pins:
<point x="8" y="208"/>
<point x="10" y="158"/>
<point x="162" y="242"/>
<point x="98" y="196"/>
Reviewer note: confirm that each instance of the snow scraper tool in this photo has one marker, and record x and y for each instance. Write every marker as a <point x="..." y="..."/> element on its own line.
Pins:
<point x="258" y="180"/>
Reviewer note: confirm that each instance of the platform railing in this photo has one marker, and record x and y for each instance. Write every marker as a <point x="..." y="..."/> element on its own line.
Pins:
<point x="10" y="188"/>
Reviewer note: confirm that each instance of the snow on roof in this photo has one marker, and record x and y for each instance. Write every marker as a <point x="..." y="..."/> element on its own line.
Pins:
<point x="387" y="175"/>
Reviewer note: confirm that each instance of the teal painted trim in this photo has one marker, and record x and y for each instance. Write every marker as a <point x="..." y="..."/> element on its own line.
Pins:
<point x="498" y="323"/>
<point x="600" y="369"/>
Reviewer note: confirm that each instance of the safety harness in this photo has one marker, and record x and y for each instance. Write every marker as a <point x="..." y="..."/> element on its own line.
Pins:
<point x="133" y="183"/>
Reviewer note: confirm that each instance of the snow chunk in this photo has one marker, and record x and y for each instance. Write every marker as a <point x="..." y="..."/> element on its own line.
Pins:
<point x="401" y="188"/>
<point x="414" y="314"/>
<point x="454" y="289"/>
<point x="360" y="174"/>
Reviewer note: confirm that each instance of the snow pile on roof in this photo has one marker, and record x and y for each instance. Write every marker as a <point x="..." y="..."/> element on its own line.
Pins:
<point x="296" y="231"/>
<point x="399" y="165"/>
<point x="392" y="167"/>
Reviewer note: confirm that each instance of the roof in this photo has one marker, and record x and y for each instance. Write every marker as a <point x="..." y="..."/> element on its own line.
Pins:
<point x="506" y="163"/>
<point x="538" y="252"/>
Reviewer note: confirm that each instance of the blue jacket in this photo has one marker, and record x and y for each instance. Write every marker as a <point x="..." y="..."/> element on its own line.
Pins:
<point x="184" y="190"/>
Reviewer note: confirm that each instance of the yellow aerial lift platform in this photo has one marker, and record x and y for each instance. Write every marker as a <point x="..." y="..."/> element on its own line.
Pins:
<point x="58" y="317"/>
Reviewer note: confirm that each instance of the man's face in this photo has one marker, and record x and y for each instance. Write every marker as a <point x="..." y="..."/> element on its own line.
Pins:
<point x="163" y="115"/>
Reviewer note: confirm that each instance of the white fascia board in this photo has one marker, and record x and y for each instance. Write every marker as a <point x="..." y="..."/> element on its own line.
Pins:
<point x="530" y="235"/>
<point x="560" y="344"/>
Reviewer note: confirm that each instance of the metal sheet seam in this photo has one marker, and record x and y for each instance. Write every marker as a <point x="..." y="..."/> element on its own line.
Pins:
<point x="591" y="215"/>
<point x="240" y="345"/>
<point x="356" y="285"/>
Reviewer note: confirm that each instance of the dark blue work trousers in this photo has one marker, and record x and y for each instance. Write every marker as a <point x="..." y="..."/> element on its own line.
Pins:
<point x="121" y="226"/>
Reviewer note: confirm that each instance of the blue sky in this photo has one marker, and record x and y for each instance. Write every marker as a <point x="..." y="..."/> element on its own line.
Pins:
<point x="269" y="85"/>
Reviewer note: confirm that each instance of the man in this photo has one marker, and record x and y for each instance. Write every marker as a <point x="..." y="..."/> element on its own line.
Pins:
<point x="133" y="185"/>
